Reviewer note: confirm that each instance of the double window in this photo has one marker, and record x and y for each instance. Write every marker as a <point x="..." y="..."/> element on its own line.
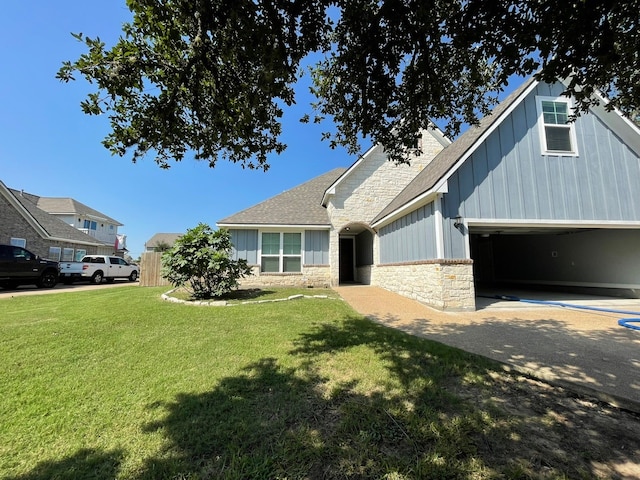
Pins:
<point x="556" y="131"/>
<point x="281" y="252"/>
<point x="89" y="225"/>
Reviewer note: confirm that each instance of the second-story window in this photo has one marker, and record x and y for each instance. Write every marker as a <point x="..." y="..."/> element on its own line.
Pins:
<point x="557" y="132"/>
<point x="89" y="225"/>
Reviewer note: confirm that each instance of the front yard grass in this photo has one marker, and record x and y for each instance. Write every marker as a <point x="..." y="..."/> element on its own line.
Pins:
<point x="116" y="383"/>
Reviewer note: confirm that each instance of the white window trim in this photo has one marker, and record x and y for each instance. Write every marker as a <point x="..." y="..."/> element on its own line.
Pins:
<point x="53" y="256"/>
<point x="281" y="254"/>
<point x="18" y="242"/>
<point x="63" y="254"/>
<point x="571" y="126"/>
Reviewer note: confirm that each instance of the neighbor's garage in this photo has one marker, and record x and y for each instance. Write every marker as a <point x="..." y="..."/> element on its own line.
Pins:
<point x="557" y="258"/>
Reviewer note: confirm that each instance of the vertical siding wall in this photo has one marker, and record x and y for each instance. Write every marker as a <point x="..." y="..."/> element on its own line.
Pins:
<point x="245" y="245"/>
<point x="409" y="238"/>
<point x="509" y="178"/>
<point x="316" y="247"/>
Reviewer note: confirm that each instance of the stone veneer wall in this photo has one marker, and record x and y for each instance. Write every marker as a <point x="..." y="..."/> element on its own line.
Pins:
<point x="311" y="276"/>
<point x="442" y="284"/>
<point x="368" y="188"/>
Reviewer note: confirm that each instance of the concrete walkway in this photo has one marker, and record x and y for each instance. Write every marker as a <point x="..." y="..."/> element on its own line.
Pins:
<point x="584" y="351"/>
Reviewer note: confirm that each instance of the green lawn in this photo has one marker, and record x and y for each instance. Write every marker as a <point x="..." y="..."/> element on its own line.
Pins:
<point x="116" y="383"/>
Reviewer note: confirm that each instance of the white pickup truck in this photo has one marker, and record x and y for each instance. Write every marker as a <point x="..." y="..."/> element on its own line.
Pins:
<point x="97" y="268"/>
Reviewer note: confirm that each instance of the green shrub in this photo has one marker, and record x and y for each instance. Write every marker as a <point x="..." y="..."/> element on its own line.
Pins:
<point x="201" y="261"/>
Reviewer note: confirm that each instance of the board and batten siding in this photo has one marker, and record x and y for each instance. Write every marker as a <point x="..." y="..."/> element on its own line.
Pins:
<point x="508" y="177"/>
<point x="316" y="246"/>
<point x="245" y="245"/>
<point x="410" y="238"/>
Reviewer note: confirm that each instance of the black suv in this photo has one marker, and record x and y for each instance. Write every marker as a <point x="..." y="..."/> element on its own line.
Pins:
<point x="19" y="266"/>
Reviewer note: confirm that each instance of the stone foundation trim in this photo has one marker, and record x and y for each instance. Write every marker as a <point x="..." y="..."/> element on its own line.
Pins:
<point x="445" y="285"/>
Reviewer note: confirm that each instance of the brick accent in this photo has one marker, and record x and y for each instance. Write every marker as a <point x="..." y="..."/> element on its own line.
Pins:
<point x="13" y="224"/>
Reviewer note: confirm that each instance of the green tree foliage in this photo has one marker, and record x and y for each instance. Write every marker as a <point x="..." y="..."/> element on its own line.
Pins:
<point x="213" y="76"/>
<point x="162" y="246"/>
<point x="201" y="261"/>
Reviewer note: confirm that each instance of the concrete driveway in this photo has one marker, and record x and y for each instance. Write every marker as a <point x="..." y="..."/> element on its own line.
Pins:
<point x="585" y="351"/>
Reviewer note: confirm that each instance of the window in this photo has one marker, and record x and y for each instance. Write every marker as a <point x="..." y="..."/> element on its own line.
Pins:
<point x="89" y="225"/>
<point x="18" y="242"/>
<point x="556" y="131"/>
<point x="281" y="252"/>
<point x="79" y="255"/>
<point x="54" y="253"/>
<point x="67" y="254"/>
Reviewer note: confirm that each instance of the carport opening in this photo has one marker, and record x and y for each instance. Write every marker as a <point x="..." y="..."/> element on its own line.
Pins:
<point x="585" y="261"/>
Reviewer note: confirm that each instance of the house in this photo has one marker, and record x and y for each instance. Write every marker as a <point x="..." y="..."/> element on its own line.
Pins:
<point x="25" y="223"/>
<point x="89" y="221"/>
<point x="524" y="198"/>
<point x="161" y="240"/>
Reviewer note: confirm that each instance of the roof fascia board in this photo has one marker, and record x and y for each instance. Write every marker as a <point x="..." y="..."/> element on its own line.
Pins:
<point x="482" y="138"/>
<point x="601" y="112"/>
<point x="510" y="223"/>
<point x="23" y="211"/>
<point x="272" y="225"/>
<point x="79" y="242"/>
<point x="102" y="219"/>
<point x="414" y="204"/>
<point x="332" y="188"/>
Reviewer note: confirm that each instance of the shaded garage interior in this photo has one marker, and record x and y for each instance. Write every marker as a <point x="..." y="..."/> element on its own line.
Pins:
<point x="575" y="260"/>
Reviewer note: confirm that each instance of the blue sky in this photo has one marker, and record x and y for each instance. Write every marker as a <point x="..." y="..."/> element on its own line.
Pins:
<point x="48" y="147"/>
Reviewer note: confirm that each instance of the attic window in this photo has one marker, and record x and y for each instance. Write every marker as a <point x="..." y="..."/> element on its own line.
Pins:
<point x="557" y="133"/>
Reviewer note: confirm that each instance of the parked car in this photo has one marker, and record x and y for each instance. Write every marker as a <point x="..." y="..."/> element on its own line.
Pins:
<point x="96" y="268"/>
<point x="18" y="266"/>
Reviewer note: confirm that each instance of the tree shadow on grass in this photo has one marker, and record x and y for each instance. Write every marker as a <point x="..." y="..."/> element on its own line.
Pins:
<point x="277" y="422"/>
<point x="446" y="414"/>
<point x="441" y="413"/>
<point x="84" y="464"/>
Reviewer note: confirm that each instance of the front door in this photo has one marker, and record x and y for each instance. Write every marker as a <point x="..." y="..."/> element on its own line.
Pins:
<point x="347" y="263"/>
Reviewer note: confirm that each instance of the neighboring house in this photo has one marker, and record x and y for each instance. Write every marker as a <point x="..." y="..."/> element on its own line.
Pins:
<point x="525" y="198"/>
<point x="89" y="221"/>
<point x="161" y="240"/>
<point x="24" y="224"/>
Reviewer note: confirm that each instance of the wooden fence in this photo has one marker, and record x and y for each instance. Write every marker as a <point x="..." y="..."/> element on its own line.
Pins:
<point x="150" y="268"/>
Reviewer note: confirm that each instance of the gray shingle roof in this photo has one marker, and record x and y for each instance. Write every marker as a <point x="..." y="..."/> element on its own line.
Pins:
<point x="449" y="156"/>
<point x="299" y="206"/>
<point x="52" y="225"/>
<point x="60" y="205"/>
<point x="168" y="238"/>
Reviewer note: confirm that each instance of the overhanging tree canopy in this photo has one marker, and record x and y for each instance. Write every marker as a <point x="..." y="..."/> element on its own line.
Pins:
<point x="213" y="76"/>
